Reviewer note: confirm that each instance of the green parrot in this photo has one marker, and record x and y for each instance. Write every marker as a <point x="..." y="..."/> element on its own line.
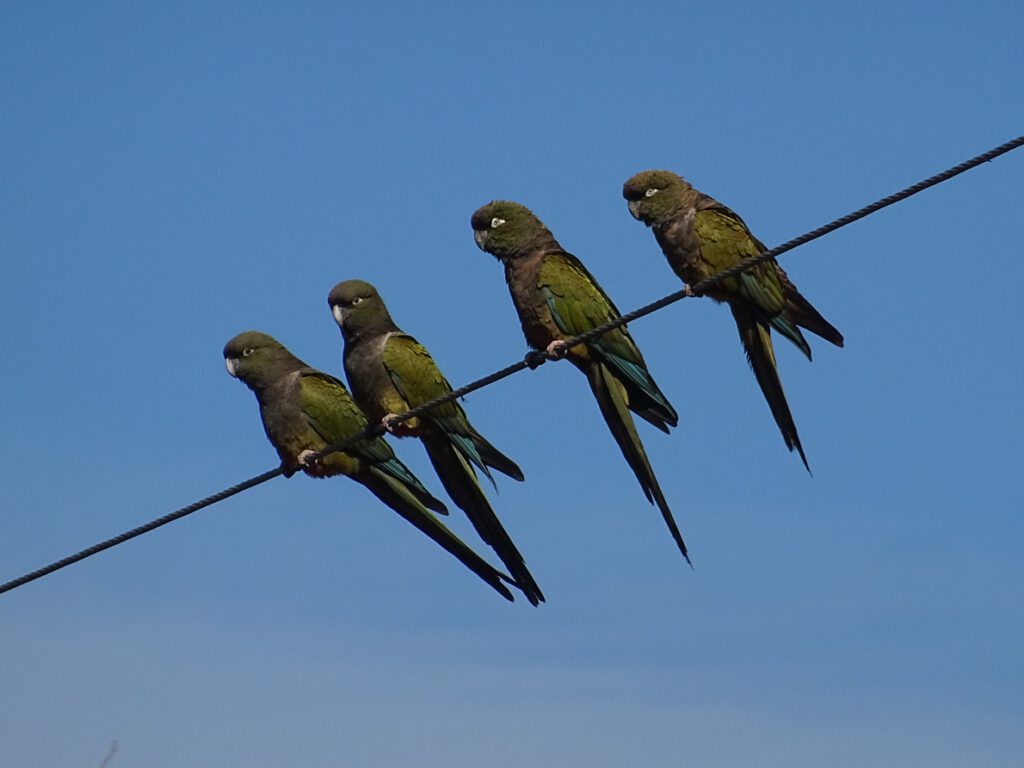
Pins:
<point x="390" y="372"/>
<point x="557" y="298"/>
<point x="699" y="236"/>
<point x="305" y="410"/>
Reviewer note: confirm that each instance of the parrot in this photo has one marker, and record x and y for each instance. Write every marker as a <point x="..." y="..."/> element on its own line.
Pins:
<point x="699" y="236"/>
<point x="390" y="372"/>
<point x="557" y="298"/>
<point x="304" y="410"/>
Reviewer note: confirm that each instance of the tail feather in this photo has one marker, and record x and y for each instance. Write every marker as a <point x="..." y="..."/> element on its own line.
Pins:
<point x="611" y="397"/>
<point x="400" y="498"/>
<point x="803" y="313"/>
<point x="496" y="459"/>
<point x="788" y="328"/>
<point x="462" y="485"/>
<point x="467" y="447"/>
<point x="401" y="473"/>
<point x="757" y="343"/>
<point x="646" y="400"/>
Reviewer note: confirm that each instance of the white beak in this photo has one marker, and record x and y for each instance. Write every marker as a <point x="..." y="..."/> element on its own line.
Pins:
<point x="634" y="208"/>
<point x="339" y="314"/>
<point x="231" y="363"/>
<point x="481" y="237"/>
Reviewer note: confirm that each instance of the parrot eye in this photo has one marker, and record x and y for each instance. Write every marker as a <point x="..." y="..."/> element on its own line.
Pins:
<point x="496" y="222"/>
<point x="356" y="300"/>
<point x="650" y="192"/>
<point x="247" y="352"/>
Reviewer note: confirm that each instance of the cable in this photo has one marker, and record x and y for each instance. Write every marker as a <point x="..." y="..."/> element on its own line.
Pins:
<point x="698" y="289"/>
<point x="121" y="538"/>
<point x="533" y="359"/>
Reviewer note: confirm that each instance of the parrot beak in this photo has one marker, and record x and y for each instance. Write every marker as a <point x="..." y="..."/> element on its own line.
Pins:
<point x="634" y="209"/>
<point x="480" y="236"/>
<point x="339" y="315"/>
<point x="231" y="363"/>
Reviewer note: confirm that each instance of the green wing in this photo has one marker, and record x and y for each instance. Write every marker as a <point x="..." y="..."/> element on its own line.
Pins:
<point x="418" y="380"/>
<point x="334" y="416"/>
<point x="724" y="242"/>
<point x="578" y="304"/>
<point x="328" y="407"/>
<point x="417" y="377"/>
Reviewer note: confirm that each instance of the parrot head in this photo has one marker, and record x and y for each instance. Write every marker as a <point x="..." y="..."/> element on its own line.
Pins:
<point x="356" y="305"/>
<point x="507" y="230"/>
<point x="256" y="358"/>
<point x="655" y="197"/>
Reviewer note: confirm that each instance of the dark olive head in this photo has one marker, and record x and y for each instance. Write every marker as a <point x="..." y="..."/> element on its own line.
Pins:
<point x="253" y="356"/>
<point x="654" y="197"/>
<point x="506" y="230"/>
<point x="356" y="305"/>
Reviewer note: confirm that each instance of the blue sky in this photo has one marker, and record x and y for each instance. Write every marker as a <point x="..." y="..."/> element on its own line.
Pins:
<point x="175" y="174"/>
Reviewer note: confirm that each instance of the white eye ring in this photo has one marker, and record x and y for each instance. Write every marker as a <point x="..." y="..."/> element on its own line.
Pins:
<point x="496" y="222"/>
<point x="356" y="300"/>
<point x="247" y="352"/>
<point x="650" y="192"/>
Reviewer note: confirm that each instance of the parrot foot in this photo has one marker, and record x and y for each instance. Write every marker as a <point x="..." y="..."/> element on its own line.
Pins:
<point x="557" y="349"/>
<point x="535" y="359"/>
<point x="391" y="423"/>
<point x="308" y="458"/>
<point x="688" y="291"/>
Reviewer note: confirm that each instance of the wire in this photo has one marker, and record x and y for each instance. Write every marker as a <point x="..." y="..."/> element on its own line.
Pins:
<point x="533" y="359"/>
<point x="121" y="538"/>
<point x="698" y="289"/>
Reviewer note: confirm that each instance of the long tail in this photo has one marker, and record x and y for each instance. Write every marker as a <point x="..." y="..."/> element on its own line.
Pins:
<point x="803" y="313"/>
<point x="612" y="398"/>
<point x="397" y="496"/>
<point x="643" y="396"/>
<point x="462" y="485"/>
<point x="397" y="470"/>
<point x="757" y="343"/>
<point x="494" y="458"/>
